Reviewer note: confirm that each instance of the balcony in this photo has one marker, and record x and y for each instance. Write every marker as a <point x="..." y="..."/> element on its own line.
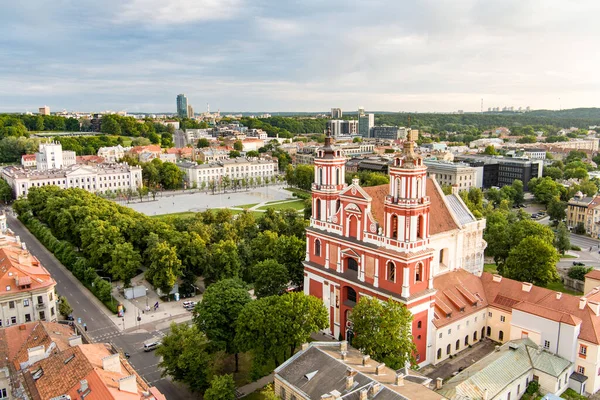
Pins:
<point x="39" y="306"/>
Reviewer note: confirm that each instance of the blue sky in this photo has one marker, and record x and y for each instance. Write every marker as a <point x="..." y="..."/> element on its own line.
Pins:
<point x="298" y="55"/>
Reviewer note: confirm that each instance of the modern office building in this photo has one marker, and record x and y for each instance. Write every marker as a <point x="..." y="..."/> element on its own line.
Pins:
<point x="182" y="106"/>
<point x="44" y="110"/>
<point x="339" y="127"/>
<point x="190" y="111"/>
<point x="446" y="173"/>
<point x="336" y="113"/>
<point x="365" y="123"/>
<point x="388" y="132"/>
<point x="500" y="171"/>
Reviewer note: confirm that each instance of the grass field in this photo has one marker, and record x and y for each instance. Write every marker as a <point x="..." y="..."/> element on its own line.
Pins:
<point x="295" y="204"/>
<point x="247" y="205"/>
<point x="179" y="214"/>
<point x="491" y="268"/>
<point x="560" y="287"/>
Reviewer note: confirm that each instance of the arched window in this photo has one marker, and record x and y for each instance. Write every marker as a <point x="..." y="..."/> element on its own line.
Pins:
<point x="394" y="226"/>
<point x="320" y="176"/>
<point x="350" y="294"/>
<point x="420" y="226"/>
<point x="482" y="333"/>
<point x="439" y="354"/>
<point x="351" y="264"/>
<point x="489" y="331"/>
<point x="317" y="248"/>
<point x="419" y="324"/>
<point x="457" y="344"/>
<point x="391" y="272"/>
<point x="337" y="176"/>
<point x="467" y="340"/>
<point x="475" y="336"/>
<point x="419" y="272"/>
<point x="501" y="336"/>
<point x="338" y="203"/>
<point x="318" y="209"/>
<point x="448" y="348"/>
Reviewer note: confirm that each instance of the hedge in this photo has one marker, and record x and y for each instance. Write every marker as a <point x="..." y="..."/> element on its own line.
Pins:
<point x="66" y="253"/>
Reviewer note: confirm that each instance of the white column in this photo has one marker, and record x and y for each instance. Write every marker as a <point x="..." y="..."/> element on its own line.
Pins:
<point x="339" y="260"/>
<point x="361" y="268"/>
<point x="376" y="277"/>
<point x="327" y="255"/>
<point x="405" y="282"/>
<point x="307" y="258"/>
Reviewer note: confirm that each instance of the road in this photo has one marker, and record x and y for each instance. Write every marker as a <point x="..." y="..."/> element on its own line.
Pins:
<point x="100" y="327"/>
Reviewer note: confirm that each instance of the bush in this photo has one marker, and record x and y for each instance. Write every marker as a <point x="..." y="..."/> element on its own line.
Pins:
<point x="575" y="248"/>
<point x="578" y="272"/>
<point x="533" y="387"/>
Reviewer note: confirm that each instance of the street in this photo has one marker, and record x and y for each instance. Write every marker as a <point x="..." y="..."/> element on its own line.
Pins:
<point x="100" y="327"/>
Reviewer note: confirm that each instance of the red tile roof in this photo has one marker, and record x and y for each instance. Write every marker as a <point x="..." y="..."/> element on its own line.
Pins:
<point x="89" y="159"/>
<point x="593" y="274"/>
<point x="440" y="217"/>
<point x="42" y="334"/>
<point x="18" y="266"/>
<point x="28" y="157"/>
<point x="153" y="148"/>
<point x="378" y="194"/>
<point x="457" y="289"/>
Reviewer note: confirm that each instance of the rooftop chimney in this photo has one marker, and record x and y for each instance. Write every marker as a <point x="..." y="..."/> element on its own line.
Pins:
<point x="379" y="369"/>
<point x="558" y="295"/>
<point x="35" y="354"/>
<point x="497" y="348"/>
<point x="438" y="383"/>
<point x="399" y="380"/>
<point x="497" y="278"/>
<point x="485" y="394"/>
<point x="112" y="363"/>
<point x="365" y="360"/>
<point x="595" y="306"/>
<point x="363" y="394"/>
<point x="582" y="302"/>
<point x="75" y="341"/>
<point x="344" y="345"/>
<point x="349" y="382"/>
<point x="526" y="287"/>
<point x="128" y="384"/>
<point x="375" y="389"/>
<point x="344" y="354"/>
<point x="84" y="385"/>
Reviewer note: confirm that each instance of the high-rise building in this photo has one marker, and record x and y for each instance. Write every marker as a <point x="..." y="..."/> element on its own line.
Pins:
<point x="44" y="110"/>
<point x="182" y="106"/>
<point x="190" y="111"/>
<point x="336" y="113"/>
<point x="365" y="123"/>
<point x="339" y="127"/>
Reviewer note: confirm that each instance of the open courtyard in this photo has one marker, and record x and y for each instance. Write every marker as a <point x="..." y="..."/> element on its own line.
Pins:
<point x="196" y="201"/>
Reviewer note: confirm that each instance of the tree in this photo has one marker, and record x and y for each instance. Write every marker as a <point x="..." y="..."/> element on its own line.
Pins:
<point x="252" y="154"/>
<point x="164" y="267"/>
<point x="203" y="143"/>
<point x="221" y="388"/>
<point x="110" y="126"/>
<point x="6" y="192"/>
<point x="166" y="139"/>
<point x="302" y="315"/>
<point x="579" y="272"/>
<point x="125" y="261"/>
<point x="238" y="145"/>
<point x="580" y="228"/>
<point x="218" y="313"/>
<point x="271" y="278"/>
<point x="383" y="330"/>
<point x="553" y="172"/>
<point x="561" y="240"/>
<point x="234" y="154"/>
<point x="556" y="210"/>
<point x="519" y="196"/>
<point x="224" y="262"/>
<point x="576" y="173"/>
<point x="534" y="261"/>
<point x="64" y="308"/>
<point x="544" y="189"/>
<point x="185" y="357"/>
<point x="490" y="150"/>
<point x="171" y="176"/>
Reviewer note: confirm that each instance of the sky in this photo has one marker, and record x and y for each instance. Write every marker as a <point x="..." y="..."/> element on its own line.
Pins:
<point x="298" y="55"/>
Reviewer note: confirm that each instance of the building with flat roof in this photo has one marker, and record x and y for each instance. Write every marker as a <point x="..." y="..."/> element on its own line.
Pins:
<point x="236" y="169"/>
<point x="388" y="132"/>
<point x="502" y="171"/>
<point x="52" y="156"/>
<point x="463" y="176"/>
<point x="44" y="110"/>
<point x="336" y="113"/>
<point x="182" y="106"/>
<point x="365" y="123"/>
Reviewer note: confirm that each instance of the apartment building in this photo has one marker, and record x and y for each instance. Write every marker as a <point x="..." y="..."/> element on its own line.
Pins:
<point x="51" y="156"/>
<point x="578" y="209"/>
<point x="234" y="169"/>
<point x="462" y="176"/>
<point x="112" y="154"/>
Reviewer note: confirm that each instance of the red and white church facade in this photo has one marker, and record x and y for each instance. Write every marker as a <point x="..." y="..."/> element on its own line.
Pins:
<point x="386" y="241"/>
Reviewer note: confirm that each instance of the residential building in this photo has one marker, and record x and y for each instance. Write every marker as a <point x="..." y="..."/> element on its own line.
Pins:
<point x="153" y="149"/>
<point x="462" y="176"/>
<point x="50" y="361"/>
<point x="209" y="154"/>
<point x="578" y="144"/>
<point x="101" y="178"/>
<point x="592" y="219"/>
<point x="307" y="154"/>
<point x="342" y="127"/>
<point x="190" y="137"/>
<point x="500" y="171"/>
<point x="44" y="110"/>
<point x="365" y="123"/>
<point x="385" y="241"/>
<point x="235" y="169"/>
<point x="28" y="161"/>
<point x="182" y="106"/>
<point x="577" y="209"/>
<point x="332" y="370"/>
<point x="112" y="154"/>
<point x="336" y="113"/>
<point x="535" y="154"/>
<point x="388" y="132"/>
<point x="51" y="156"/>
<point x="506" y="373"/>
<point x="26" y="289"/>
<point x="190" y="111"/>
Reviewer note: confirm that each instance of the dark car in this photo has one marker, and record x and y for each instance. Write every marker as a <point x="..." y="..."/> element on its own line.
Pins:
<point x="578" y="264"/>
<point x="70" y="317"/>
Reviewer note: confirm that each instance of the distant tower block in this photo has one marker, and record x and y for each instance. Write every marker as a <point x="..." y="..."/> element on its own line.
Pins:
<point x="413" y="135"/>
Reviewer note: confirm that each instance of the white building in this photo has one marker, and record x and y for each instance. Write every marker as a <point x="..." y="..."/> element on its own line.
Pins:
<point x="112" y="154"/>
<point x="462" y="176"/>
<point x="101" y="178"/>
<point x="51" y="156"/>
<point x="238" y="168"/>
<point x="536" y="154"/>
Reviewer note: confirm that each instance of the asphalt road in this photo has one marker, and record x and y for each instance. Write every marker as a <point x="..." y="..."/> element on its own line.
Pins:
<point x="100" y="327"/>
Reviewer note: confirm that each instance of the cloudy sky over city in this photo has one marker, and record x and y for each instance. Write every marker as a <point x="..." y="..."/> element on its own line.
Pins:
<point x="301" y="55"/>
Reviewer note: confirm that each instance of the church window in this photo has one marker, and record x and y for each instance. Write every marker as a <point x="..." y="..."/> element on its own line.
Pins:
<point x="391" y="271"/>
<point x="419" y="272"/>
<point x="317" y="248"/>
<point x="394" y="227"/>
<point x="352" y="264"/>
<point x="318" y="209"/>
<point x="350" y="294"/>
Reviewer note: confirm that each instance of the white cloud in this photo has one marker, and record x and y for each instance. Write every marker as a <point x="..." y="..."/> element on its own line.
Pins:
<point x="166" y="12"/>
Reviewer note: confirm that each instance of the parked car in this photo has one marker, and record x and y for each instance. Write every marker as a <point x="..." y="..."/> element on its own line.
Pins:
<point x="151" y="346"/>
<point x="578" y="264"/>
<point x="70" y="317"/>
<point x="189" y="304"/>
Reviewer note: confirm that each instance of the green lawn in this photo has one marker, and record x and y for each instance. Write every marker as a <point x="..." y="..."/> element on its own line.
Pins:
<point x="568" y="256"/>
<point x="560" y="287"/>
<point x="295" y="204"/>
<point x="491" y="268"/>
<point x="247" y="205"/>
<point x="179" y="214"/>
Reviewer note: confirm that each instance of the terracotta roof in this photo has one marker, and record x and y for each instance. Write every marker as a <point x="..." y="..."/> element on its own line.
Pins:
<point x="547" y="313"/>
<point x="28" y="157"/>
<point x="441" y="220"/>
<point x="180" y="151"/>
<point x="593" y="274"/>
<point x="15" y="336"/>
<point x="378" y="194"/>
<point x="151" y="148"/>
<point x="43" y="334"/>
<point x="18" y="266"/>
<point x="89" y="159"/>
<point x="455" y="290"/>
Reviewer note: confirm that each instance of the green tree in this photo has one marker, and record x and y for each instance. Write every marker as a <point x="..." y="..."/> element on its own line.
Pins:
<point x="166" y="140"/>
<point x="224" y="262"/>
<point x="218" y="313"/>
<point x="125" y="261"/>
<point x="185" y="357"/>
<point x="271" y="278"/>
<point x="110" y="126"/>
<point x="238" y="145"/>
<point x="171" y="176"/>
<point x="164" y="267"/>
<point x="580" y="228"/>
<point x="6" y="192"/>
<point x="562" y="241"/>
<point x="384" y="331"/>
<point x="302" y="316"/>
<point x="534" y="261"/>
<point x="519" y="196"/>
<point x="490" y="150"/>
<point x="579" y="272"/>
<point x="234" y="154"/>
<point x="544" y="189"/>
<point x="553" y="172"/>
<point x="221" y="388"/>
<point x="556" y="210"/>
<point x="64" y="308"/>
<point x="576" y="173"/>
<point x="203" y="143"/>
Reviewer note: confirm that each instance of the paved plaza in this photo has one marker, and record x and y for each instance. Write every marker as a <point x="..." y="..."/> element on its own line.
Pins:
<point x="176" y="202"/>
